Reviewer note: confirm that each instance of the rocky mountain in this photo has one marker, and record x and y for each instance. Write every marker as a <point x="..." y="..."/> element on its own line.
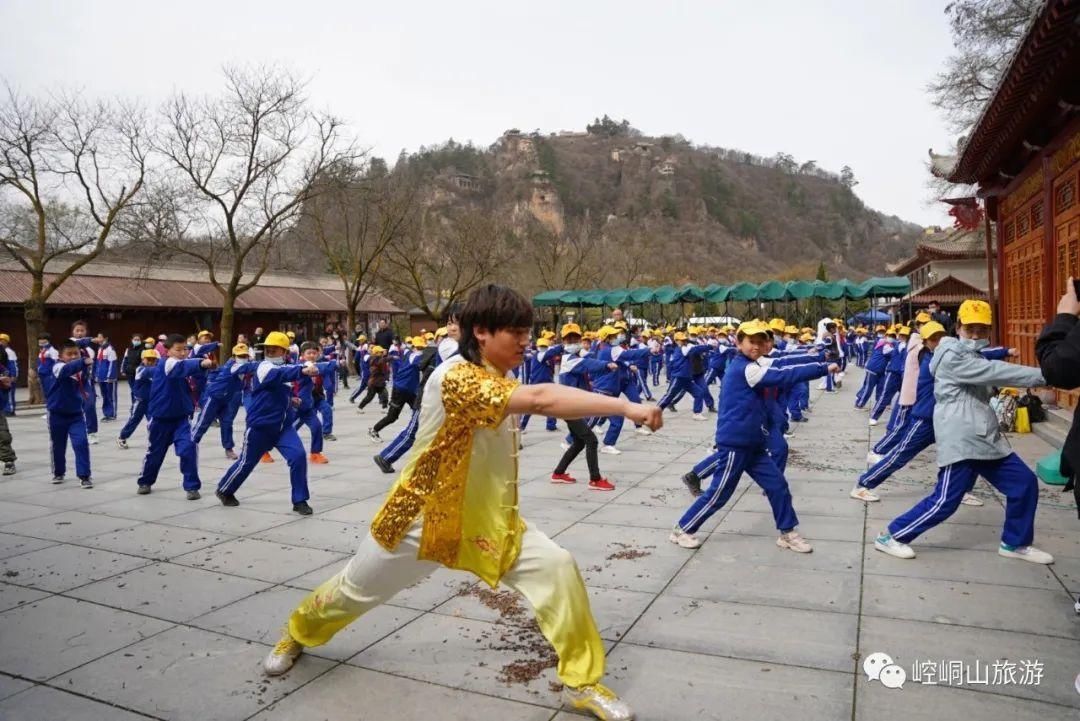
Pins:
<point x="611" y="207"/>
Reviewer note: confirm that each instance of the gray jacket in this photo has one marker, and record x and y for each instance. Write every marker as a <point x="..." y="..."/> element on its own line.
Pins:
<point x="965" y="426"/>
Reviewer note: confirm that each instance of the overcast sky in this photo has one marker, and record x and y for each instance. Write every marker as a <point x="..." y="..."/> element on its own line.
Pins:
<point x="836" y="82"/>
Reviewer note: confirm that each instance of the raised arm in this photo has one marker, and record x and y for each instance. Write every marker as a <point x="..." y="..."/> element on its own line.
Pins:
<point x="558" y="401"/>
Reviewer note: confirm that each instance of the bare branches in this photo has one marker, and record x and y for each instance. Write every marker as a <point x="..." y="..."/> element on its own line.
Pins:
<point x="441" y="259"/>
<point x="68" y="171"/>
<point x="985" y="33"/>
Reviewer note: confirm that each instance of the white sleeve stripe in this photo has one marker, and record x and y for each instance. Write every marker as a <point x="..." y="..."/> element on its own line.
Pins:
<point x="264" y="369"/>
<point x="754" y="374"/>
<point x="170" y="363"/>
<point x="56" y="370"/>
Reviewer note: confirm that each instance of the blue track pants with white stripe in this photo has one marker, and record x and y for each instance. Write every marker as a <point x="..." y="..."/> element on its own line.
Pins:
<point x="726" y="466"/>
<point x="1009" y="475"/>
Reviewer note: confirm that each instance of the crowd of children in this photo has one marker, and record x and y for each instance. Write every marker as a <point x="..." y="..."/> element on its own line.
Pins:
<point x="485" y="364"/>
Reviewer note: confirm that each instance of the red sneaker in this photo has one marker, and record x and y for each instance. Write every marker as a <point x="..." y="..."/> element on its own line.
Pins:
<point x="562" y="478"/>
<point x="318" y="458"/>
<point x="602" y="484"/>
<point x="266" y="458"/>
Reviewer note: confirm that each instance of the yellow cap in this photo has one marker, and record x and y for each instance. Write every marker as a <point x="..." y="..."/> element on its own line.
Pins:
<point x="570" y="328"/>
<point x="441" y="332"/>
<point x="669" y="329"/>
<point x="419" y="341"/>
<point x="362" y="338"/>
<point x="923" y="317"/>
<point x="778" y="325"/>
<point x="621" y="324"/>
<point x="5" y="337"/>
<point x="240" y="349"/>
<point x="860" y="331"/>
<point x="547" y="333"/>
<point x="931" y="328"/>
<point x="679" y="335"/>
<point x="543" y="343"/>
<point x="753" y="327"/>
<point x="277" y="339"/>
<point x="606" y="331"/>
<point x="903" y="330"/>
<point x="150" y="353"/>
<point x="805" y="338"/>
<point x="728" y="328"/>
<point x="429" y="336"/>
<point x="202" y="333"/>
<point x="291" y="335"/>
<point x="377" y="350"/>
<point x="975" y="311"/>
<point x="791" y="330"/>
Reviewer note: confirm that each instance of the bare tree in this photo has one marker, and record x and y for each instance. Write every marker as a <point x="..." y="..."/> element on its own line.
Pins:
<point x="441" y="259"/>
<point x="558" y="261"/>
<point x="238" y="169"/>
<point x="69" y="171"/>
<point x="356" y="216"/>
<point x="985" y="33"/>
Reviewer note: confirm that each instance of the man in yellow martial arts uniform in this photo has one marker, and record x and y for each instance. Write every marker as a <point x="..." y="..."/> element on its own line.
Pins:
<point x="456" y="505"/>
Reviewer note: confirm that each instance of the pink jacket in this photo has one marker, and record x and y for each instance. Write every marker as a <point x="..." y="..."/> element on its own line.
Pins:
<point x="910" y="382"/>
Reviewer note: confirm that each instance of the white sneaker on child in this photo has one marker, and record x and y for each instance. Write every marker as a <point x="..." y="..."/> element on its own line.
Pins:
<point x="794" y="542"/>
<point x="971" y="500"/>
<point x="864" y="494"/>
<point x="887" y="544"/>
<point x="1025" y="553"/>
<point x="686" y="540"/>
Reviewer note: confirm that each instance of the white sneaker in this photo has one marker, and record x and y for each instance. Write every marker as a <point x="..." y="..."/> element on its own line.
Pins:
<point x="598" y="700"/>
<point x="643" y="431"/>
<point x="283" y="656"/>
<point x="1025" y="553"/>
<point x="699" y="417"/>
<point x="91" y="438"/>
<point x="822" y="386"/>
<point x="564" y="445"/>
<point x="789" y="434"/>
<point x="873" y="458"/>
<point x="873" y="421"/>
<point x="610" y="450"/>
<point x="121" y="443"/>
<point x="887" y="544"/>
<point x="864" y="494"/>
<point x="971" y="500"/>
<point x="793" y="541"/>
<point x="681" y="538"/>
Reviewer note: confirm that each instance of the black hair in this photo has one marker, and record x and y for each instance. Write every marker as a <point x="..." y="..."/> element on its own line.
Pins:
<point x="453" y="313"/>
<point x="174" y="338"/>
<point x="68" y="344"/>
<point x="308" y="345"/>
<point x="45" y="336"/>
<point x="493" y="308"/>
<point x="831" y="327"/>
<point x="83" y="323"/>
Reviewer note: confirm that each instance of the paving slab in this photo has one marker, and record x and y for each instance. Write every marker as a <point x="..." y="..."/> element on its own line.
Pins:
<point x="12" y="596"/>
<point x="156" y="541"/>
<point x="63" y="567"/>
<point x="187" y="673"/>
<point x="42" y="703"/>
<point x="48" y="637"/>
<point x="261" y="560"/>
<point x="67" y="526"/>
<point x="9" y="686"/>
<point x="168" y="591"/>
<point x="12" y="545"/>
<point x="333" y="697"/>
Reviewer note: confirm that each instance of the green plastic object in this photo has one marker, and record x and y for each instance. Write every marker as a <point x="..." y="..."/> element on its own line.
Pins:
<point x="1047" y="467"/>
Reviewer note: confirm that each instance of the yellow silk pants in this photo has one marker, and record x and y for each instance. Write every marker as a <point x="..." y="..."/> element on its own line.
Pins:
<point x="544" y="573"/>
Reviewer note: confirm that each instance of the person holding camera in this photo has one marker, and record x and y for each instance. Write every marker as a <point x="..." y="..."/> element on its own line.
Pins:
<point x="1058" y="350"/>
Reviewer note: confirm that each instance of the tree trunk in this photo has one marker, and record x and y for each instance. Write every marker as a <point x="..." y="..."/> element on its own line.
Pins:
<point x="350" y="323"/>
<point x="34" y="312"/>
<point x="228" y="303"/>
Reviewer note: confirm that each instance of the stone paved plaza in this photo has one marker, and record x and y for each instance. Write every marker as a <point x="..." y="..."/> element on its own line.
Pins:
<point x="117" y="607"/>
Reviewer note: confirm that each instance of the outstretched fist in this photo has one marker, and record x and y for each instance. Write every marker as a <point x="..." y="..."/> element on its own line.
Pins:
<point x="650" y="416"/>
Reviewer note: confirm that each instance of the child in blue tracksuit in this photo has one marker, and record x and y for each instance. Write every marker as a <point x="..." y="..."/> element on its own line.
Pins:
<point x="11" y="364"/>
<point x="623" y="381"/>
<point x="221" y="401"/>
<point x="64" y="383"/>
<point x="894" y="374"/>
<point x="682" y="380"/>
<point x="80" y="336"/>
<point x="310" y="391"/>
<point x="140" y="394"/>
<point x="107" y="375"/>
<point x="403" y="441"/>
<point x="405" y="366"/>
<point x="325" y="407"/>
<point x="970" y="443"/>
<point x="205" y="347"/>
<point x="543" y="371"/>
<point x="741" y="440"/>
<point x="169" y="409"/>
<point x="874" y="379"/>
<point x="268" y="424"/>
